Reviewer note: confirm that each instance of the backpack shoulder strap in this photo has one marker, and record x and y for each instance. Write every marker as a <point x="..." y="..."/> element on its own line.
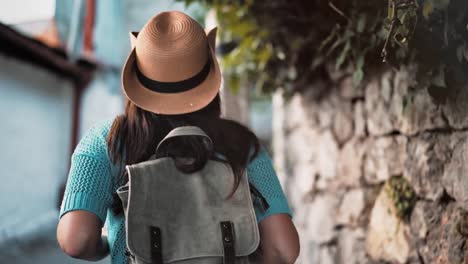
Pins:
<point x="182" y="132"/>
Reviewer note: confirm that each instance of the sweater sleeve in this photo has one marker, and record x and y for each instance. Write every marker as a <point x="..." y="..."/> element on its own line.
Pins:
<point x="263" y="176"/>
<point x="89" y="184"/>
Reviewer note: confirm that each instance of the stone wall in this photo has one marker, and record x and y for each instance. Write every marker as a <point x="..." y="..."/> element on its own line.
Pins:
<point x="376" y="174"/>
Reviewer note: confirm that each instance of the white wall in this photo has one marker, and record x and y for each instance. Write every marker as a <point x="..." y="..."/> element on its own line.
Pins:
<point x="35" y="137"/>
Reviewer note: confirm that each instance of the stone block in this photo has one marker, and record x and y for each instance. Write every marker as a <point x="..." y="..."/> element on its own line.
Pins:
<point x="359" y="116"/>
<point x="455" y="176"/>
<point x="350" y="164"/>
<point x="387" y="235"/>
<point x="377" y="105"/>
<point x="321" y="220"/>
<point x="427" y="156"/>
<point x="443" y="243"/>
<point x="385" y="157"/>
<point x="351" y="246"/>
<point x="456" y="108"/>
<point x="351" y="208"/>
<point x="391" y="105"/>
<point x="327" y="159"/>
<point x="343" y="124"/>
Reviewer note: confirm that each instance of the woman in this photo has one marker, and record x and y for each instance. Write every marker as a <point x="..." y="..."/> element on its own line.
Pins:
<point x="171" y="78"/>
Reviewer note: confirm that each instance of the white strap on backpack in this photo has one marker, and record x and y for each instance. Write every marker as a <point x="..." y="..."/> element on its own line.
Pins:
<point x="184" y="131"/>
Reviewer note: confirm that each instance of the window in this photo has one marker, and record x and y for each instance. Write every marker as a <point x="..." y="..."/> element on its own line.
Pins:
<point x="26" y="11"/>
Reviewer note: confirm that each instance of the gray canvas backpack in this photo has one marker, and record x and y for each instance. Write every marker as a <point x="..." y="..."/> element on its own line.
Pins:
<point x="175" y="217"/>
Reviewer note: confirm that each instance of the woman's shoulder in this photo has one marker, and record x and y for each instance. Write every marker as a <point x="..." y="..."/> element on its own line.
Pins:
<point x="101" y="128"/>
<point x="259" y="156"/>
<point x="93" y="142"/>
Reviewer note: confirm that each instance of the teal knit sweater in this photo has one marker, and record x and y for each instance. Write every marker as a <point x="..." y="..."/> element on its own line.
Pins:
<point x="90" y="186"/>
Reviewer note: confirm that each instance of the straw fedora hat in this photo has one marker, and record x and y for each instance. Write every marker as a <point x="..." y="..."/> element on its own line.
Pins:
<point x="172" y="67"/>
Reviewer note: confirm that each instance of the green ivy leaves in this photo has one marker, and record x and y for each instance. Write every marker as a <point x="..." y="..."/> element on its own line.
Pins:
<point x="402" y="195"/>
<point x="289" y="43"/>
<point x="343" y="54"/>
<point x="358" y="74"/>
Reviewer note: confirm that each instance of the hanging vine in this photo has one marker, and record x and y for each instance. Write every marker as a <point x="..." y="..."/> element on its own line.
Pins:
<point x="289" y="44"/>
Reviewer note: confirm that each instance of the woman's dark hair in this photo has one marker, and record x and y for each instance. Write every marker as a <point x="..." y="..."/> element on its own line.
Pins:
<point x="135" y="134"/>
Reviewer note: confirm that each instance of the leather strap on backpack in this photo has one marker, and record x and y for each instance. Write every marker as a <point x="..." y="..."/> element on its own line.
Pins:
<point x="156" y="245"/>
<point x="227" y="232"/>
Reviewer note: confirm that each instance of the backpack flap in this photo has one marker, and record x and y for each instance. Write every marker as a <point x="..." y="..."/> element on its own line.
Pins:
<point x="189" y="212"/>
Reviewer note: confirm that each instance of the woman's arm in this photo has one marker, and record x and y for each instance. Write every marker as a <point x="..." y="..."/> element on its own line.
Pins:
<point x="279" y="241"/>
<point x="87" y="197"/>
<point x="79" y="236"/>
